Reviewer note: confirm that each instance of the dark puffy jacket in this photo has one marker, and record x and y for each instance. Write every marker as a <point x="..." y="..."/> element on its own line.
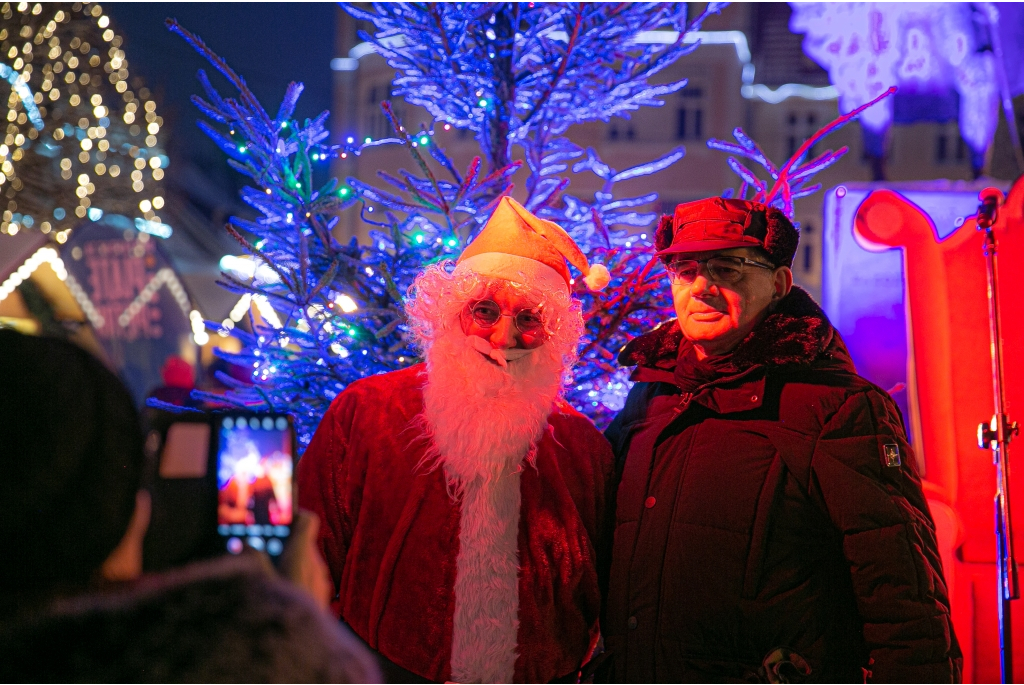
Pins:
<point x="771" y="520"/>
<point x="230" y="619"/>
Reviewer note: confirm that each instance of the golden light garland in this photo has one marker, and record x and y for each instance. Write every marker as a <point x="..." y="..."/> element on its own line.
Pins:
<point x="80" y="141"/>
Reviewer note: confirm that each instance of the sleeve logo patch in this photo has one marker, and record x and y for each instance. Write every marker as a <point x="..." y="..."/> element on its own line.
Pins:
<point x="892" y="454"/>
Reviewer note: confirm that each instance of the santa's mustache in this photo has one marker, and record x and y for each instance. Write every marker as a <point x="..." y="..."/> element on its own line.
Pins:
<point x="500" y="356"/>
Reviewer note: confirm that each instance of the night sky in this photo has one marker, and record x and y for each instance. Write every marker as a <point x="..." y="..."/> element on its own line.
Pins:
<point x="269" y="44"/>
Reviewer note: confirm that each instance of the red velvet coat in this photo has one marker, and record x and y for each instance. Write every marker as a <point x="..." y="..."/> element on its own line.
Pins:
<point x="390" y="531"/>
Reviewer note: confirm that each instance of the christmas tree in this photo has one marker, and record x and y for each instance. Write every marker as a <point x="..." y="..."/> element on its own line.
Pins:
<point x="518" y="76"/>
<point x="80" y="141"/>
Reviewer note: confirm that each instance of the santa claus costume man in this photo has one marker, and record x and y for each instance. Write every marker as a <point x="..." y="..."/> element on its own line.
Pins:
<point x="462" y="501"/>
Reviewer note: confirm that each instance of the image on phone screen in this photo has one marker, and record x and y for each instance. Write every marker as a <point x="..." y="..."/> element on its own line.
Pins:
<point x="254" y="482"/>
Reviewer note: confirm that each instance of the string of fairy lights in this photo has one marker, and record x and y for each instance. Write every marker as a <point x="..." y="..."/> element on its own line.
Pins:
<point x="80" y="142"/>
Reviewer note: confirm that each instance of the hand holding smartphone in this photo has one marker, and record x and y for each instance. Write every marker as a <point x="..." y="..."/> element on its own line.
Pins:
<point x="225" y="481"/>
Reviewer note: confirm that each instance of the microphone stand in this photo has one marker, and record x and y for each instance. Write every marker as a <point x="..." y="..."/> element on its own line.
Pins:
<point x="995" y="435"/>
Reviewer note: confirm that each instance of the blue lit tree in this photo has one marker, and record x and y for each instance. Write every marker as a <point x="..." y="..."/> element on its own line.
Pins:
<point x="518" y="76"/>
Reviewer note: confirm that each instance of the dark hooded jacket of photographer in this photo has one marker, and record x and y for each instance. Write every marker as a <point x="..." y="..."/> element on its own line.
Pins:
<point x="770" y="518"/>
<point x="229" y="619"/>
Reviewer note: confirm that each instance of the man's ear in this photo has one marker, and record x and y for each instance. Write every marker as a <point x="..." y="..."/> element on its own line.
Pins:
<point x="783" y="283"/>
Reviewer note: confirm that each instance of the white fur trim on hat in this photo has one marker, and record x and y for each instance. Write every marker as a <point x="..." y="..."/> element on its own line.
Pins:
<point x="510" y="267"/>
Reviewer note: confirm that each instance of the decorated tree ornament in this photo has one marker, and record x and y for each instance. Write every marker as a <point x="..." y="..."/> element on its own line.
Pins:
<point x="80" y="141"/>
<point x="518" y="76"/>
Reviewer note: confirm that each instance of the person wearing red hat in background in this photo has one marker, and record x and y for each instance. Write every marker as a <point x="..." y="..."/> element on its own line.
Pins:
<point x="179" y="379"/>
<point x="770" y="522"/>
<point x="462" y="500"/>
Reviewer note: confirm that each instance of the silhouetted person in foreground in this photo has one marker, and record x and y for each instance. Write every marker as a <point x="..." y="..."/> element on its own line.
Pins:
<point x="73" y="603"/>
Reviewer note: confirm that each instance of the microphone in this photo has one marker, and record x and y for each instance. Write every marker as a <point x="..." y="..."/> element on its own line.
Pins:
<point x="988" y="209"/>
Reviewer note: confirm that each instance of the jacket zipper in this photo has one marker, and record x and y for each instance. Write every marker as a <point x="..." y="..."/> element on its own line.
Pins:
<point x="687" y="397"/>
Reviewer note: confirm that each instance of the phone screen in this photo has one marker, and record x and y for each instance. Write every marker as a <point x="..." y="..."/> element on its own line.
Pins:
<point x="255" y="460"/>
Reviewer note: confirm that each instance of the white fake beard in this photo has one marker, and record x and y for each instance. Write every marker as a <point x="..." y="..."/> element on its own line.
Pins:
<point x="485" y="419"/>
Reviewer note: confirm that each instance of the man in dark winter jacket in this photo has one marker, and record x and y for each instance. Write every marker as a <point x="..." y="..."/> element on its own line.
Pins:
<point x="72" y="605"/>
<point x="770" y="521"/>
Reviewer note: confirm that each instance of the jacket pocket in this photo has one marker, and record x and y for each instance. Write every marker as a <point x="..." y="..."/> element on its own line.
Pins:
<point x="773" y="483"/>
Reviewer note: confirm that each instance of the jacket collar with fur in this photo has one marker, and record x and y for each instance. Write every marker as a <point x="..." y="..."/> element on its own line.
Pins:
<point x="797" y="333"/>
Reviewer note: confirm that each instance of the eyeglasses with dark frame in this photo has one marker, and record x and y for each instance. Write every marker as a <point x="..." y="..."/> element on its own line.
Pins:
<point x="720" y="268"/>
<point x="487" y="313"/>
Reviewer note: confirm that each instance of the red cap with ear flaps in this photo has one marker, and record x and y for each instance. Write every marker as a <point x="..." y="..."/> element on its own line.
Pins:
<point x="718" y="223"/>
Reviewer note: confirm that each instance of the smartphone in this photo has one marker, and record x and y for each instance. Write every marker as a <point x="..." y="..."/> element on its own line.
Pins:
<point x="254" y="463"/>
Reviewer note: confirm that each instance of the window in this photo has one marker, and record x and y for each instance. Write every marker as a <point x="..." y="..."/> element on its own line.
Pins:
<point x="791" y="144"/>
<point x="376" y="125"/>
<point x="941" y="143"/>
<point x="621" y="130"/>
<point x="689" y="124"/>
<point x="800" y="127"/>
<point x="812" y="128"/>
<point x="949" y="146"/>
<point x="690" y="115"/>
<point x="808" y="248"/>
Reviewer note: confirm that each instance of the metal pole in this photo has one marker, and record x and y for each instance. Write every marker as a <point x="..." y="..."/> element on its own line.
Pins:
<point x="1005" y="622"/>
<point x="996" y="435"/>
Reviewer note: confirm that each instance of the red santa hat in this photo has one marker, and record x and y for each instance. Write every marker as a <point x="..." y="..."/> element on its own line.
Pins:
<point x="517" y="246"/>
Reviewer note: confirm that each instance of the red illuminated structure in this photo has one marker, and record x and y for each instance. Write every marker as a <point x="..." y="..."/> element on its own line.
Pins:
<point x="951" y="390"/>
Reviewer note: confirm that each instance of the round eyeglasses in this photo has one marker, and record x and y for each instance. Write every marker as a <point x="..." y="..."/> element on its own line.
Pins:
<point x="487" y="313"/>
<point x="721" y="269"/>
